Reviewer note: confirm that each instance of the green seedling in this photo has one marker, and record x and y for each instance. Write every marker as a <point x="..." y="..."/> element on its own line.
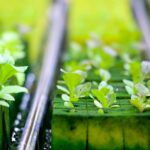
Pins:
<point x="74" y="88"/>
<point x="134" y="69"/>
<point x="104" y="96"/>
<point x="141" y="103"/>
<point x="139" y="88"/>
<point x="139" y="93"/>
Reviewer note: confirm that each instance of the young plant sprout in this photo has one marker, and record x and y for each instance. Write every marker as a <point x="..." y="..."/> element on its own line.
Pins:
<point x="139" y="87"/>
<point x="74" y="88"/>
<point x="8" y="70"/>
<point x="104" y="96"/>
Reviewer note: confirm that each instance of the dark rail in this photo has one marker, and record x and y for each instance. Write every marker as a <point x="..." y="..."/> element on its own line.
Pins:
<point x="142" y="17"/>
<point x="51" y="59"/>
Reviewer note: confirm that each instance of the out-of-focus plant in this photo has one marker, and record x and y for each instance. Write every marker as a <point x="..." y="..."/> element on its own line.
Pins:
<point x="139" y="88"/>
<point x="11" y="44"/>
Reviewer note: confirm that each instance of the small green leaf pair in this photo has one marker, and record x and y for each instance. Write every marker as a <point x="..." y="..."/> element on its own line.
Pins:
<point x="8" y="70"/>
<point x="104" y="96"/>
<point x="6" y="91"/>
<point x="75" y="88"/>
<point x="141" y="103"/>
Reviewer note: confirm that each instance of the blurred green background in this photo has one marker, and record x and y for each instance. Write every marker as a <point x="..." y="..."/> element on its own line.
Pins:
<point x="30" y="15"/>
<point x="111" y="20"/>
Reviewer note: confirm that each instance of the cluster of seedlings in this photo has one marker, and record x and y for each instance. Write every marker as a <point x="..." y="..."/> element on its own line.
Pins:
<point x="98" y="60"/>
<point x="12" y="76"/>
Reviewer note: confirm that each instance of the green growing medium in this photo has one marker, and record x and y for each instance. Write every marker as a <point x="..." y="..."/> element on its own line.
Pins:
<point x="72" y="133"/>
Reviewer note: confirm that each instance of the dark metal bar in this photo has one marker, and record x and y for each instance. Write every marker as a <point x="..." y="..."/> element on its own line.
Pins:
<point x="142" y="17"/>
<point x="46" y="80"/>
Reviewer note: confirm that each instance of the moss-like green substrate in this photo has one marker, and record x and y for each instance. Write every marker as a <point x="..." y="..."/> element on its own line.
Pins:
<point x="69" y="128"/>
<point x="104" y="133"/>
<point x="118" y="128"/>
<point x="129" y="133"/>
<point x="137" y="132"/>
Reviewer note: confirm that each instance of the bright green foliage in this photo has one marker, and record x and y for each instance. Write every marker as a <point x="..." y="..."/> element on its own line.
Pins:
<point x="7" y="91"/>
<point x="74" y="87"/>
<point x="104" y="96"/>
<point x="8" y="70"/>
<point x="139" y="93"/>
<point x="139" y="88"/>
<point x="72" y="80"/>
<point x="136" y="72"/>
<point x="11" y="50"/>
<point x="138" y="102"/>
<point x="11" y="78"/>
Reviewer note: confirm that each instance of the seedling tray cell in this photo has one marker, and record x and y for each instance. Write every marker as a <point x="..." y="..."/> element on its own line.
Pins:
<point x="104" y="132"/>
<point x="69" y="127"/>
<point x="118" y="128"/>
<point x="136" y="132"/>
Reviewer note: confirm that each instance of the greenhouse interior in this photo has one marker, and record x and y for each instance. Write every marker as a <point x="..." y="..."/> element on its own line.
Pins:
<point x="75" y="75"/>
